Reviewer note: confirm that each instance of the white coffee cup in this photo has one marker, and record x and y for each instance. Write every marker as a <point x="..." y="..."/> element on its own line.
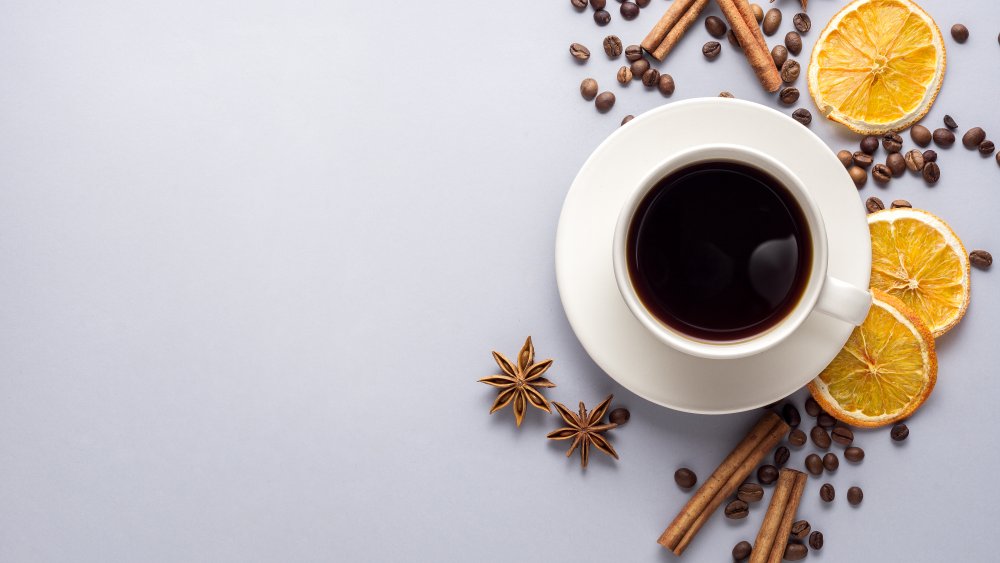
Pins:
<point x="822" y="293"/>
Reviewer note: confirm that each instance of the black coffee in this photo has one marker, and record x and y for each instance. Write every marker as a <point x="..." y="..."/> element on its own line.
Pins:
<point x="719" y="251"/>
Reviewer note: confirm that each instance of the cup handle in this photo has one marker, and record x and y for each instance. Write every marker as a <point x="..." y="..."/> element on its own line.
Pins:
<point x="844" y="301"/>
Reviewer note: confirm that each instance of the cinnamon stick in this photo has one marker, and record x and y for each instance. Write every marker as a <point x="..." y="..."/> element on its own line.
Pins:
<point x="743" y="6"/>
<point x="678" y="30"/>
<point x="673" y="14"/>
<point x="771" y="539"/>
<point x="755" y="50"/>
<point x="788" y="518"/>
<point x="733" y="470"/>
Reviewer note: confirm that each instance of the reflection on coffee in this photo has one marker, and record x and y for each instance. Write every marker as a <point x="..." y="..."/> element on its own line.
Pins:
<point x="719" y="251"/>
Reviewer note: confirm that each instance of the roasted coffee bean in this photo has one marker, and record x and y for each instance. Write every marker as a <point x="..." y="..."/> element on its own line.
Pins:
<point x="825" y="420"/>
<point x="650" y="77"/>
<point x="816" y="540"/>
<point x="639" y="67"/>
<point x="629" y="10"/>
<point x="624" y="75"/>
<point x="711" y="50"/>
<point x="892" y="142"/>
<point x="741" y="551"/>
<point x="579" y="4"/>
<point x="788" y="95"/>
<point x="803" y="116"/>
<point x="733" y="40"/>
<point x="790" y="71"/>
<point x="863" y="160"/>
<point x="750" y="492"/>
<point x="943" y="137"/>
<point x="973" y="137"/>
<point x="950" y="122"/>
<point x="842" y="435"/>
<point x="605" y="101"/>
<point x="715" y="26"/>
<point x="981" y="259"/>
<point x="801" y="529"/>
<point x="874" y="204"/>
<point x="781" y="456"/>
<point x="612" y="46"/>
<point x="931" y="173"/>
<point x="780" y="54"/>
<point x="920" y="135"/>
<point x="881" y="173"/>
<point x="795" y="552"/>
<point x="598" y="4"/>
<point x="901" y="203"/>
<point x="831" y="462"/>
<point x="960" y="33"/>
<point x="793" y="42"/>
<point x="930" y="155"/>
<point x="855" y="495"/>
<point x="621" y="415"/>
<point x="588" y="88"/>
<point x="758" y="12"/>
<point x="859" y="175"/>
<point x="737" y="509"/>
<point x="986" y="148"/>
<point x="579" y="52"/>
<point x="899" y="432"/>
<point x="772" y="21"/>
<point x="820" y="437"/>
<point x="802" y="22"/>
<point x="685" y="478"/>
<point x="847" y="159"/>
<point x="797" y="438"/>
<point x="998" y="159"/>
<point x="791" y="415"/>
<point x="814" y="464"/>
<point x="812" y="407"/>
<point x="666" y="84"/>
<point x="767" y="474"/>
<point x="854" y="454"/>
<point x="642" y="3"/>
<point x="625" y="120"/>
<point x="633" y="53"/>
<point x="602" y="17"/>
<point x="869" y="144"/>
<point x="827" y="493"/>
<point x="914" y="160"/>
<point x="896" y="163"/>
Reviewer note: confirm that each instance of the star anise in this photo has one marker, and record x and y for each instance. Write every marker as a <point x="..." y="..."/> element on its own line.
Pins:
<point x="585" y="429"/>
<point x="520" y="384"/>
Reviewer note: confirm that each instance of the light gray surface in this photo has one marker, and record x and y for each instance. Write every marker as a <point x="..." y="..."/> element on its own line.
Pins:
<point x="255" y="255"/>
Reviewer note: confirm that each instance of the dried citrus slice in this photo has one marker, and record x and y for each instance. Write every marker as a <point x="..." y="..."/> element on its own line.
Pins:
<point x="885" y="371"/>
<point x="877" y="66"/>
<point x="917" y="258"/>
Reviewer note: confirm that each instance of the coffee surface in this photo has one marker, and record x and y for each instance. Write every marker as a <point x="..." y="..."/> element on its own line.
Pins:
<point x="719" y="251"/>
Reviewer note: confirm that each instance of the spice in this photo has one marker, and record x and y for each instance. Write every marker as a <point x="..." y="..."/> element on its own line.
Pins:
<point x="874" y="204"/>
<point x="767" y="474"/>
<point x="914" y="160"/>
<point x="831" y="462"/>
<point x="795" y="552"/>
<point x="973" y="137"/>
<point x="633" y="53"/>
<point x="892" y="142"/>
<point x="845" y="158"/>
<point x="862" y="159"/>
<point x="825" y="420"/>
<point x="930" y="155"/>
<point x="602" y="17"/>
<point x="827" y="492"/>
<point x="986" y="148"/>
<point x="613" y="46"/>
<point x="650" y="77"/>
<point x="899" y="432"/>
<point x="854" y="454"/>
<point x="750" y="492"/>
<point x="820" y="437"/>
<point x="803" y="116"/>
<point x="943" y="138"/>
<point x="672" y="26"/>
<point x="740" y="17"/>
<point x="777" y="525"/>
<point x="779" y="54"/>
<point x="797" y="438"/>
<point x="896" y="163"/>
<point x="898" y="203"/>
<point x="881" y="173"/>
<point x="814" y="464"/>
<point x="741" y="551"/>
<point x="666" y="84"/>
<point x="790" y="71"/>
<point x="624" y="75"/>
<point x="588" y="89"/>
<point x="920" y="135"/>
<point x="981" y="259"/>
<point x="621" y="415"/>
<point x="520" y="384"/>
<point x="585" y="429"/>
<point x="789" y="95"/>
<point x="869" y="144"/>
<point x="931" y="173"/>
<point x="816" y="540"/>
<point x="855" y="495"/>
<point x="859" y="176"/>
<point x="802" y="22"/>
<point x="715" y="26"/>
<point x="579" y="52"/>
<point x="960" y="33"/>
<point x="685" y="478"/>
<point x="758" y="12"/>
<point x="772" y="20"/>
<point x="793" y="42"/>
<point x="801" y="529"/>
<point x="781" y="456"/>
<point x="711" y="50"/>
<point x="605" y="101"/>
<point x="737" y="510"/>
<point x="629" y="10"/>
<point x="639" y="68"/>
<point x="812" y="407"/>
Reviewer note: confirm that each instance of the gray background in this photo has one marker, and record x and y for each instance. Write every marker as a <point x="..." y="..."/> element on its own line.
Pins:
<point x="254" y="256"/>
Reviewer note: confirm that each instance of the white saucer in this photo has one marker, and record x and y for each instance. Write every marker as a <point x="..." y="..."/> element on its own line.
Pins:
<point x="595" y="309"/>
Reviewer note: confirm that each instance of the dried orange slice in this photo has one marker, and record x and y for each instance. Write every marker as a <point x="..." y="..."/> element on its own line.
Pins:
<point x="877" y="66"/>
<point x="917" y="258"/>
<point x="885" y="371"/>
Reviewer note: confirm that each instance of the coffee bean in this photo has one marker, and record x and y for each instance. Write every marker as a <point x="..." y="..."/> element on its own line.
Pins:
<point x="750" y="492"/>
<point x="981" y="259"/>
<point x="780" y="54"/>
<point x="650" y="78"/>
<point x="772" y="20"/>
<point x="943" y="137"/>
<point x="598" y="4"/>
<point x="625" y="120"/>
<point x="612" y="46"/>
<point x="767" y="474"/>
<point x="930" y="155"/>
<point x="827" y="493"/>
<point x="795" y="552"/>
<point x="831" y="462"/>
<point x="758" y="12"/>
<point x="715" y="26"/>
<point x="896" y="163"/>
<point x="859" y="176"/>
<point x="579" y="4"/>
<point x="666" y="84"/>
<point x="950" y="123"/>
<point x="998" y="159"/>
<point x="854" y="454"/>
<point x="737" y="509"/>
<point x="624" y="75"/>
<point x="633" y="53"/>
<point x="986" y="148"/>
<point x="685" y="478"/>
<point x="820" y="437"/>
<point x="869" y="144"/>
<point x="825" y="420"/>
<point x="973" y="137"/>
<point x="788" y="95"/>
<point x="801" y="529"/>
<point x="781" y="456"/>
<point x="814" y="464"/>
<point x="791" y="415"/>
<point x="621" y="415"/>
<point x="816" y="540"/>
<point x="847" y="159"/>
<point x="803" y="116"/>
<point x="881" y="173"/>
<point x="863" y="160"/>
<point x="874" y="204"/>
<point x="733" y="40"/>
<point x="812" y="407"/>
<point x="855" y="495"/>
<point x="797" y="438"/>
<point x="711" y="50"/>
<point x="901" y="203"/>
<point x="842" y="435"/>
<point x="793" y="42"/>
<point x="790" y="71"/>
<point x="579" y="52"/>
<point x="742" y="551"/>
<point x="914" y="160"/>
<point x="892" y="142"/>
<point x="642" y="3"/>
<point x="802" y="22"/>
<point x="960" y="33"/>
<point x="629" y="10"/>
<point x="920" y="135"/>
<point x="605" y="101"/>
<point x="899" y="432"/>
<point x="588" y="88"/>
<point x="931" y="173"/>
<point x="602" y="17"/>
<point x="639" y="67"/>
